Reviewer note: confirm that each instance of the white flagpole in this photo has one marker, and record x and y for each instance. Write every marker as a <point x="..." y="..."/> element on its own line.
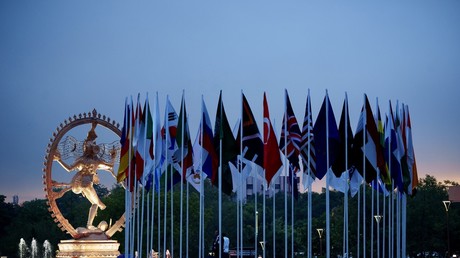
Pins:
<point x="186" y="219"/>
<point x="240" y="192"/>
<point x="378" y="193"/>
<point x="159" y="199"/>
<point x="171" y="171"/>
<point x="152" y="219"/>
<point x="345" y="228"/>
<point x="166" y="175"/>
<point x="403" y="225"/>
<point x="292" y="213"/>
<point x="182" y="178"/>
<point x="127" y="210"/>
<point x="135" y="228"/>
<point x="264" y="185"/>
<point x="384" y="222"/>
<point x="328" y="218"/>
<point x="398" y="225"/>
<point x="143" y="184"/>
<point x="358" y="248"/>
<point x="147" y="240"/>
<point x="273" y="222"/>
<point x="187" y="198"/>
<point x="285" y="179"/>
<point x="391" y="222"/>
<point x="200" y="243"/>
<point x="256" y="184"/>
<point x="131" y="207"/>
<point x="309" y="184"/>
<point x="220" y="176"/>
<point x="220" y="193"/>
<point x="365" y="182"/>
<point x="372" y="220"/>
<point x="378" y="226"/>
<point x="159" y="218"/>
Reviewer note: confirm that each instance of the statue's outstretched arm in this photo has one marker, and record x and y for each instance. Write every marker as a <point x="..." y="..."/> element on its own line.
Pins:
<point x="107" y="167"/>
<point x="57" y="157"/>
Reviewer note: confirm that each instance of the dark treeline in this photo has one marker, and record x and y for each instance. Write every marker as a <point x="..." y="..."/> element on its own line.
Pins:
<point x="426" y="220"/>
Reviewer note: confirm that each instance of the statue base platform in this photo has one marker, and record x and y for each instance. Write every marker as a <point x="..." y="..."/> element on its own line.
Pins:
<point x="88" y="248"/>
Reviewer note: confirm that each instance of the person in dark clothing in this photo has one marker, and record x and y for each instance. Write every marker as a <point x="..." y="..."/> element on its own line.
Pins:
<point x="215" y="244"/>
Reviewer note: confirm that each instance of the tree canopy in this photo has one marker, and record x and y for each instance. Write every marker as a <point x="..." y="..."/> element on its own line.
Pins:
<point x="426" y="219"/>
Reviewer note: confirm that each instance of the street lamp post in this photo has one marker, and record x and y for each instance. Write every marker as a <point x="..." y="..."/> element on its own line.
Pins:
<point x="320" y="233"/>
<point x="447" y="205"/>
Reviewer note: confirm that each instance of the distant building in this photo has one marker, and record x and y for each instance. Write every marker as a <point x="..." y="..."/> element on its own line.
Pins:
<point x="255" y="186"/>
<point x="15" y="200"/>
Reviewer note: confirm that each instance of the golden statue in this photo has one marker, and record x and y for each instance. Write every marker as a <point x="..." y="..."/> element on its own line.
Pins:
<point x="86" y="165"/>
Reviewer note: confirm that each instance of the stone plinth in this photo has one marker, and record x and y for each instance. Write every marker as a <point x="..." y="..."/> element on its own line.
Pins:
<point x="88" y="249"/>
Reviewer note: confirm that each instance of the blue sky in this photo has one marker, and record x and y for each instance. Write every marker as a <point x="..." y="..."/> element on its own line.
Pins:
<point x="60" y="58"/>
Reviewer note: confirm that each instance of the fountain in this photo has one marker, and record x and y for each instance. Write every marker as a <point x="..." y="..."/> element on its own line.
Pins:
<point x="34" y="248"/>
<point x="23" y="249"/>
<point x="47" y="251"/>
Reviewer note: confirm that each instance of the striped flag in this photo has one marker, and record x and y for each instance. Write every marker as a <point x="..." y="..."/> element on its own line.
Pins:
<point x="291" y="137"/>
<point x="307" y="149"/>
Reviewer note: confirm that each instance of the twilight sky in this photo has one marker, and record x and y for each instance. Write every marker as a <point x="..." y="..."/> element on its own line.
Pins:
<point x="60" y="58"/>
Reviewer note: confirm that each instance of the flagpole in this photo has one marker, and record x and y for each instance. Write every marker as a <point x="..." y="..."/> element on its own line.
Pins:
<point x="187" y="219"/>
<point x="135" y="192"/>
<point x="146" y="107"/>
<point x="345" y="237"/>
<point x="285" y="179"/>
<point x="328" y="219"/>
<point x="404" y="214"/>
<point x="201" y="251"/>
<point x="159" y="217"/>
<point x="182" y="175"/>
<point x="154" y="139"/>
<point x="239" y="202"/>
<point x="152" y="229"/>
<point x="200" y="243"/>
<point x="264" y="185"/>
<point x="127" y="197"/>
<point x="372" y="218"/>
<point x="220" y="176"/>
<point x="171" y="171"/>
<point x="384" y="221"/>
<point x="378" y="226"/>
<point x="187" y="194"/>
<point x="358" y="248"/>
<point x="376" y="184"/>
<point x="365" y="182"/>
<point x="256" y="184"/>
<point x="309" y="184"/>
<point x="391" y="222"/>
<point x="273" y="223"/>
<point x="129" y="229"/>
<point x="166" y="173"/>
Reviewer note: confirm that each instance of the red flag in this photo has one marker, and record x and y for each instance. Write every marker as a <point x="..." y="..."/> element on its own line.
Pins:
<point x="272" y="159"/>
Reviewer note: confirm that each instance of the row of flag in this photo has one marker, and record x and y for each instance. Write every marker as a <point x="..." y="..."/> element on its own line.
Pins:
<point x="380" y="152"/>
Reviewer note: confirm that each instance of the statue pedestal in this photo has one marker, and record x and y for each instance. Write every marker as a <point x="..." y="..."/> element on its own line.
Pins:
<point x="88" y="248"/>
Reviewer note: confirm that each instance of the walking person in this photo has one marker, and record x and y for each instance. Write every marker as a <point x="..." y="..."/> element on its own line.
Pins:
<point x="226" y="246"/>
<point x="215" y="244"/>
